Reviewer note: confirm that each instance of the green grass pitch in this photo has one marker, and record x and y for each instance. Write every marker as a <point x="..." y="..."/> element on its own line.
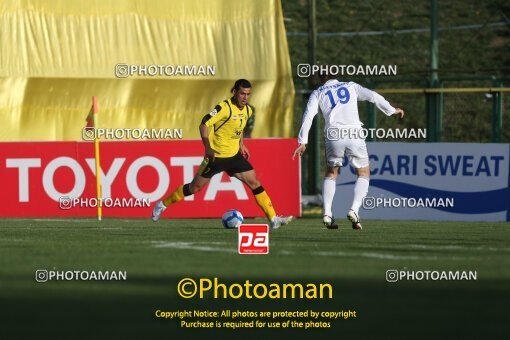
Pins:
<point x="157" y="255"/>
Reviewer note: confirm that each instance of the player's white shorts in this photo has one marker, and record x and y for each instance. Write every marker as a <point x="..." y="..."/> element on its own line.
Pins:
<point x="354" y="149"/>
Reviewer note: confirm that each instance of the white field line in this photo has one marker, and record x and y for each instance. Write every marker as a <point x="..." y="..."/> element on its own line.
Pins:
<point x="74" y="220"/>
<point x="193" y="246"/>
<point x="440" y="247"/>
<point x="382" y="256"/>
<point x="209" y="247"/>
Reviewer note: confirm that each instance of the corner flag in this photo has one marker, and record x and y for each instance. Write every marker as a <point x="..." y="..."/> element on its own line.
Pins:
<point x="92" y="124"/>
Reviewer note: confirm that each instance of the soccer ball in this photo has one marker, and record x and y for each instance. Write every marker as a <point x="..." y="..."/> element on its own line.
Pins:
<point x="232" y="219"/>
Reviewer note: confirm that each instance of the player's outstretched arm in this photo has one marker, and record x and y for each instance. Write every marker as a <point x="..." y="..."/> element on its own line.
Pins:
<point x="382" y="104"/>
<point x="243" y="148"/>
<point x="399" y="111"/>
<point x="312" y="108"/>
<point x="204" y="133"/>
<point x="300" y="150"/>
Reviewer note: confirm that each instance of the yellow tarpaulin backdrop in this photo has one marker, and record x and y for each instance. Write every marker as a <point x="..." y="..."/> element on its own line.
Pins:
<point x="55" y="55"/>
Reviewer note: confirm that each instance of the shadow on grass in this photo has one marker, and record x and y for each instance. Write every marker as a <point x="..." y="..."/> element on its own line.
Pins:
<point x="410" y="310"/>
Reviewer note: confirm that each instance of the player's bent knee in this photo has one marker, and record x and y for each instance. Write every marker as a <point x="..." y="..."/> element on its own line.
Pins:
<point x="251" y="181"/>
<point x="331" y="172"/>
<point x="363" y="172"/>
<point x="195" y="188"/>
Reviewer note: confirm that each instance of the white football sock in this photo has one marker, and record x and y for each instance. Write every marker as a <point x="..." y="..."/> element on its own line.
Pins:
<point x="328" y="193"/>
<point x="360" y="191"/>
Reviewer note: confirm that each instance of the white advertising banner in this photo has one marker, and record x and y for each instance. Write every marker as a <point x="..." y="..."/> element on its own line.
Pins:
<point x="431" y="181"/>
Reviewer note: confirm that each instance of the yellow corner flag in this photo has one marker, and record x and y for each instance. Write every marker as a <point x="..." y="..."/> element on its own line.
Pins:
<point x="92" y="124"/>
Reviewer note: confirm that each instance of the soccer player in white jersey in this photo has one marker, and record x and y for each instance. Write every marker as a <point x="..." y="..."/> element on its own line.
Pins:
<point x="338" y="102"/>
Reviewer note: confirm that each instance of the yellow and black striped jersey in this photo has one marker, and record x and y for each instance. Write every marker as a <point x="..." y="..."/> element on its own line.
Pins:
<point x="226" y="124"/>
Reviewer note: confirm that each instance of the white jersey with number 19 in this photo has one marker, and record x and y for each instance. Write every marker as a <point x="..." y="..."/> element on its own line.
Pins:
<point x="338" y="102"/>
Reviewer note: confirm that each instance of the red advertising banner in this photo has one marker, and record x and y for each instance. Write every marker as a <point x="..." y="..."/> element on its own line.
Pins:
<point x="44" y="179"/>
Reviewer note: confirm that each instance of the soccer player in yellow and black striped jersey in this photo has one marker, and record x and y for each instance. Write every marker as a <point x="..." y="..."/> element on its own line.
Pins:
<point x="225" y="151"/>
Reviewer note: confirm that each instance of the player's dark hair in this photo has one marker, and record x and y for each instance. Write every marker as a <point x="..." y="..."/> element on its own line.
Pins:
<point x="324" y="76"/>
<point x="240" y="83"/>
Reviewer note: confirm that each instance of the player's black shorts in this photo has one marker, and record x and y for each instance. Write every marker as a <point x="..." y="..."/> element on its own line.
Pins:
<point x="231" y="165"/>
